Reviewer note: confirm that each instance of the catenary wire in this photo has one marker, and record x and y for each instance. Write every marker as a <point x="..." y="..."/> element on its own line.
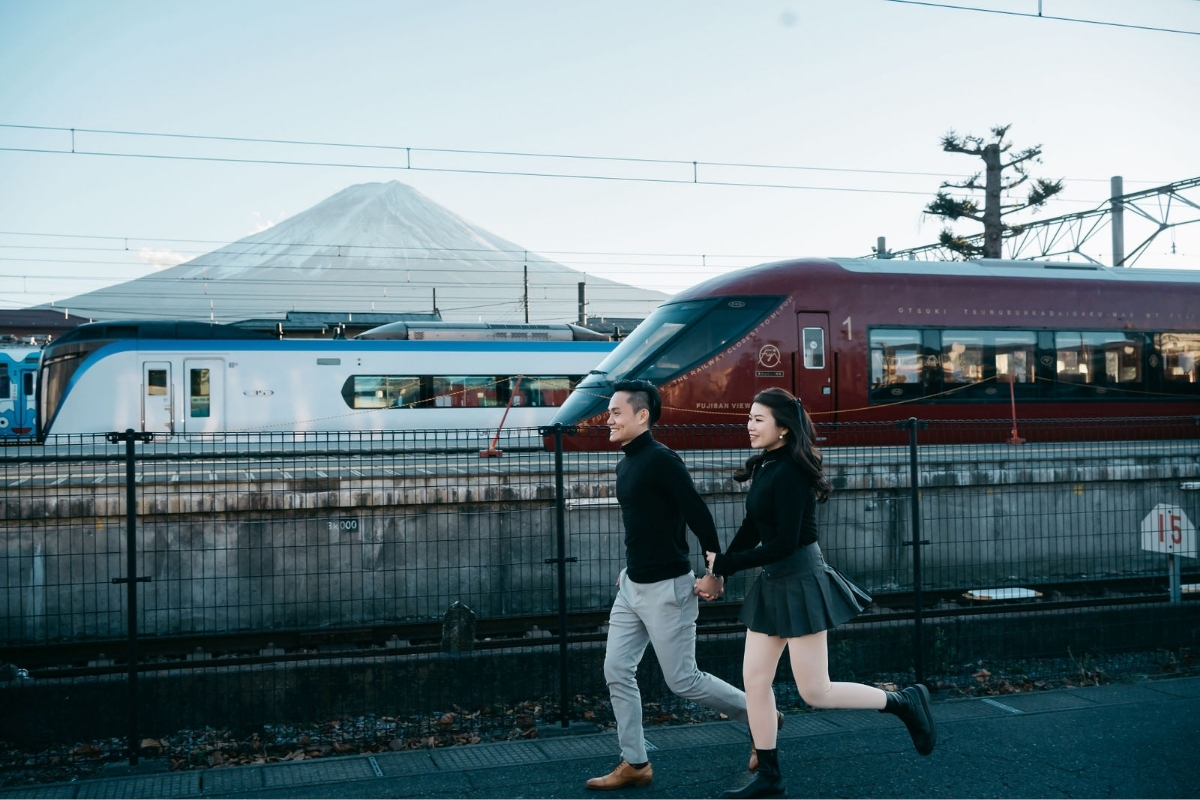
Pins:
<point x="1032" y="15"/>
<point x="501" y="153"/>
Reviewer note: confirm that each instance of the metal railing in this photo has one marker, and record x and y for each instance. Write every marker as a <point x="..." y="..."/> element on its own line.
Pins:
<point x="151" y="584"/>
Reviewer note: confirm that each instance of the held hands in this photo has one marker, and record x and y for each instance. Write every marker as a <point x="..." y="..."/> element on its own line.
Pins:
<point x="711" y="586"/>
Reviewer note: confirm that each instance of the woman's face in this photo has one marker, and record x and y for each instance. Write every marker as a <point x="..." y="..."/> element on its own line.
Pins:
<point x="764" y="433"/>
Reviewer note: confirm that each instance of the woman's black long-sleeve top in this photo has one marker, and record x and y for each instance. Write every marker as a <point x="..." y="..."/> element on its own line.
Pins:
<point x="780" y="517"/>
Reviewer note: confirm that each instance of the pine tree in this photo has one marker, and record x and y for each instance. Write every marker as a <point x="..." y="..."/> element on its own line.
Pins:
<point x="995" y="183"/>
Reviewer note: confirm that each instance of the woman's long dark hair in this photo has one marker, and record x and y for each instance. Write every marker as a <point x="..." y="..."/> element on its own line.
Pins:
<point x="788" y="413"/>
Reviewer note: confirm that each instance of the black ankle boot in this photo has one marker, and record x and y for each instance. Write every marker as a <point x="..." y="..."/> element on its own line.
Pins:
<point x="768" y="781"/>
<point x="912" y="707"/>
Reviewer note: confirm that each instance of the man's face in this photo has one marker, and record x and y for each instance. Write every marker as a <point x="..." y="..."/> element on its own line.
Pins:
<point x="623" y="424"/>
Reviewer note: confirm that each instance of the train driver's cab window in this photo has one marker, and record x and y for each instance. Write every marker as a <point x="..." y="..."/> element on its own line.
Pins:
<point x="156" y="383"/>
<point x="5" y="383"/>
<point x="981" y="363"/>
<point x="728" y="320"/>
<point x="382" y="391"/>
<point x="655" y="331"/>
<point x="200" y="394"/>
<point x="1091" y="363"/>
<point x="1180" y="353"/>
<point x="896" y="364"/>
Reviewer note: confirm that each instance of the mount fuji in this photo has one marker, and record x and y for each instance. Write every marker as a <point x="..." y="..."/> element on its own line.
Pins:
<point x="381" y="247"/>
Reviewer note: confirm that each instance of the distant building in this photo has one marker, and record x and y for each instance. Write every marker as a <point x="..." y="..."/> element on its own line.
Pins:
<point x="330" y="324"/>
<point x="38" y="325"/>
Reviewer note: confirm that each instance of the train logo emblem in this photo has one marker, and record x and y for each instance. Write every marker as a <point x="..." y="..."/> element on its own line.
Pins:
<point x="769" y="356"/>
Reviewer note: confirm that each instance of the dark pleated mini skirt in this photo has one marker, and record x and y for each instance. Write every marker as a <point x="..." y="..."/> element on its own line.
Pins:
<point x="801" y="595"/>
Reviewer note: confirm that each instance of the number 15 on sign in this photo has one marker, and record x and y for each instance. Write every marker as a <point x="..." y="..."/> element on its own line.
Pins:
<point x="1167" y="529"/>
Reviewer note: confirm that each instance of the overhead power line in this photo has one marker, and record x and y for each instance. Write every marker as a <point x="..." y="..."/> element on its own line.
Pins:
<point x="692" y="166"/>
<point x="460" y="170"/>
<point x="1040" y="15"/>
<point x="519" y="254"/>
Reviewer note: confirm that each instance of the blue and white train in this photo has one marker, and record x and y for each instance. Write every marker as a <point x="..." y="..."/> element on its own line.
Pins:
<point x="191" y="377"/>
<point x="18" y="373"/>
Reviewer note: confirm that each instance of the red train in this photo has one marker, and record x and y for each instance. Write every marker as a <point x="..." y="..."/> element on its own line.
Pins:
<point x="876" y="340"/>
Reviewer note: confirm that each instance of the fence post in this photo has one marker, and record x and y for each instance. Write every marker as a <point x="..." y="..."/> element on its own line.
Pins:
<point x="131" y="579"/>
<point x="560" y="526"/>
<point x="914" y="482"/>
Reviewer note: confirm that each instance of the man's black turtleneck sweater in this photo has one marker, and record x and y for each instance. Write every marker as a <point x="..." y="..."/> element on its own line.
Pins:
<point x="657" y="498"/>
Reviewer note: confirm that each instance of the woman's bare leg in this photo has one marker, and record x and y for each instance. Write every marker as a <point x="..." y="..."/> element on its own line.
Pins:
<point x="758" y="673"/>
<point x="810" y="666"/>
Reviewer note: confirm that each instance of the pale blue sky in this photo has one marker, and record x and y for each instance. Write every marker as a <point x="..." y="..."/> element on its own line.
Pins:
<point x="858" y="84"/>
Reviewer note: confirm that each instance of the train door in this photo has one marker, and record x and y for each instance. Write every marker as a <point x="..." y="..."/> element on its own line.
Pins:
<point x="204" y="385"/>
<point x="158" y="410"/>
<point x="24" y="407"/>
<point x="814" y="372"/>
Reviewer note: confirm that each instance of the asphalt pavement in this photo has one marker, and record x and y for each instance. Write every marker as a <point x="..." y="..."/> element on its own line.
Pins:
<point x="1127" y="740"/>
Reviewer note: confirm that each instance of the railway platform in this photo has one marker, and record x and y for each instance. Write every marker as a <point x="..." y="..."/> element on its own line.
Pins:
<point x="1135" y="739"/>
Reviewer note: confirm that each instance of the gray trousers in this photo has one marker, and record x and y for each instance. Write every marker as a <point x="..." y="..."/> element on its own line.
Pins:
<point x="662" y="614"/>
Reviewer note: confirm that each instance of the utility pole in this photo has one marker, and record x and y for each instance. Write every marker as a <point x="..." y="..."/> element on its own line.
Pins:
<point x="526" y="293"/>
<point x="583" y="304"/>
<point x="1118" y="221"/>
<point x="435" y="308"/>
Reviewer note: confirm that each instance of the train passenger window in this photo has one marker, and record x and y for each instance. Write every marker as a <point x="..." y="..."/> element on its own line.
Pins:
<point x="199" y="393"/>
<point x="381" y="391"/>
<point x="896" y="364"/>
<point x="156" y="383"/>
<point x="1180" y="353"/>
<point x="466" y="391"/>
<point x="1090" y="363"/>
<point x="707" y="337"/>
<point x="990" y="359"/>
<point x="814" y="348"/>
<point x="538" y="391"/>
<point x="29" y="384"/>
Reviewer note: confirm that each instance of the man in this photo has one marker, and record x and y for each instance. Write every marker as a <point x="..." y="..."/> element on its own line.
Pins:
<point x="656" y="599"/>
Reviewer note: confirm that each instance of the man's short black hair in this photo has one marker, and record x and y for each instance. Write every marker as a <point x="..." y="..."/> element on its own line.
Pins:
<point x="642" y="394"/>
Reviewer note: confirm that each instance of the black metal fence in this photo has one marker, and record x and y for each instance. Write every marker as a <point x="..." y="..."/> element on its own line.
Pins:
<point x="394" y="590"/>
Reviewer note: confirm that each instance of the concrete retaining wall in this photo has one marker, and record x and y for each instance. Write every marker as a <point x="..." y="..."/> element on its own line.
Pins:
<point x="265" y="554"/>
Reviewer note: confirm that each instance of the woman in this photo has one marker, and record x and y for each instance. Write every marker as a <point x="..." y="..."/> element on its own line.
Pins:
<point x="798" y="597"/>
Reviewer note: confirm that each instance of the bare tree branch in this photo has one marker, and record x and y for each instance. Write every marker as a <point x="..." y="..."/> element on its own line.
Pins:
<point x="1013" y="184"/>
<point x="947" y="207"/>
<point x="953" y="143"/>
<point x="958" y="244"/>
<point x="1043" y="190"/>
<point x="971" y="183"/>
<point x="1026" y="155"/>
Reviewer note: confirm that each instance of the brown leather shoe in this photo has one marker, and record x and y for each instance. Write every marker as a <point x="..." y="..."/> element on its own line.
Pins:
<point x="753" y="765"/>
<point x="624" y="775"/>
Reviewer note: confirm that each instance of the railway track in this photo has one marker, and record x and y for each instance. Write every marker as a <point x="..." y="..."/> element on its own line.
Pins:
<point x="63" y="660"/>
